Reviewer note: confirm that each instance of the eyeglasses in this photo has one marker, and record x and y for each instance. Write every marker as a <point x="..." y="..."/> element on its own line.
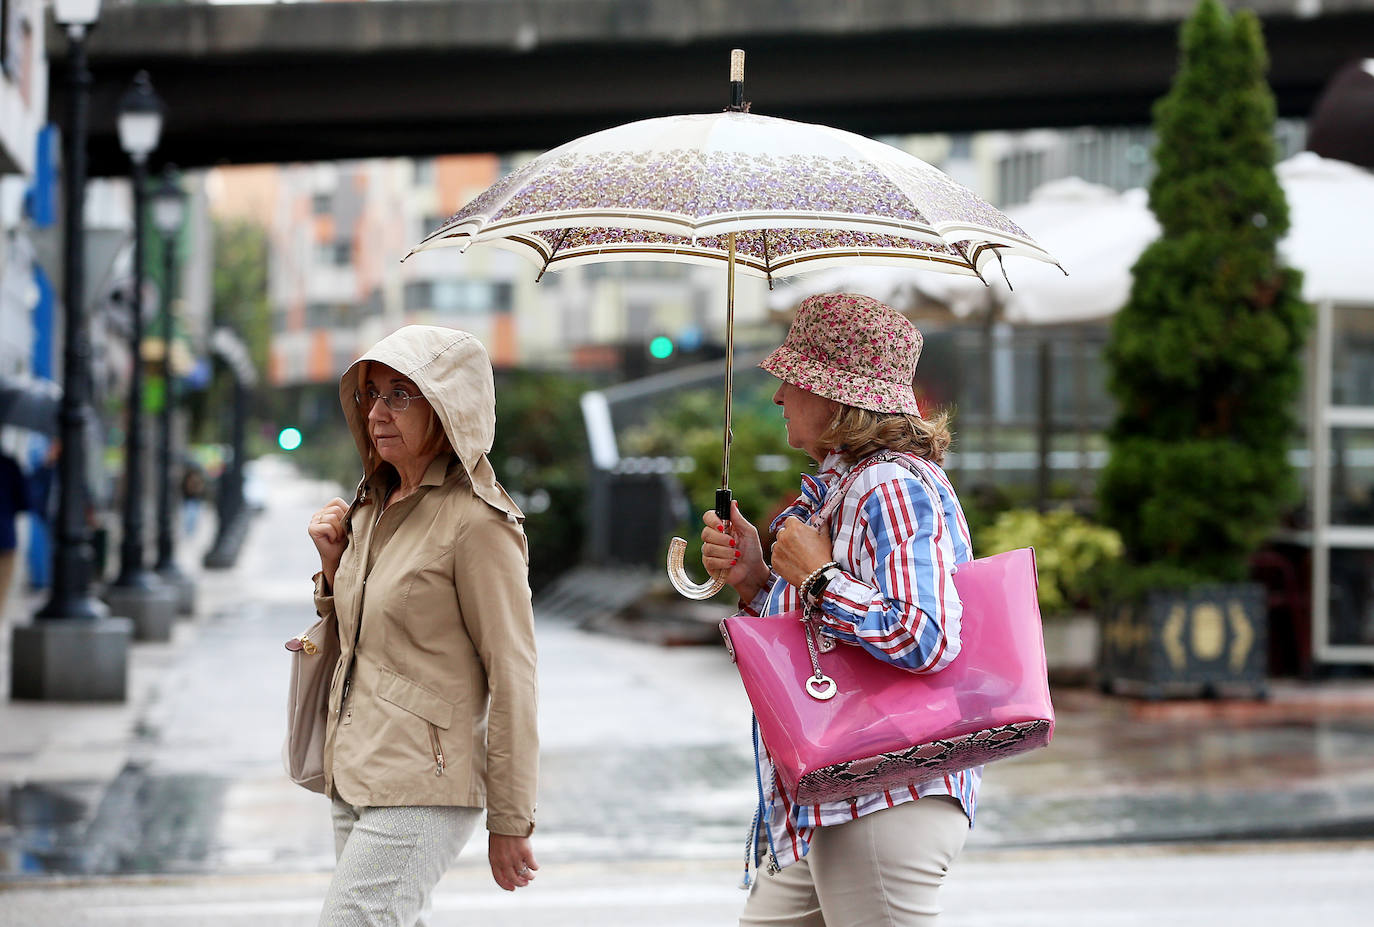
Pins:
<point x="397" y="400"/>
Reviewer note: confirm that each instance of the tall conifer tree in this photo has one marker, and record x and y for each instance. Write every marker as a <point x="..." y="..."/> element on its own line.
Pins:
<point x="1204" y="357"/>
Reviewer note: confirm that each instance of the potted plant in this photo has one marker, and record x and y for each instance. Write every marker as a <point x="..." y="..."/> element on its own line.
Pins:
<point x="1204" y="364"/>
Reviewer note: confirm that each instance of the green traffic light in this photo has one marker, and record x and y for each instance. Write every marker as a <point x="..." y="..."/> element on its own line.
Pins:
<point x="661" y="347"/>
<point x="288" y="439"/>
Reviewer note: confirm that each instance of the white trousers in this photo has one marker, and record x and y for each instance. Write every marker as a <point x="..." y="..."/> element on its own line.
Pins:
<point x="881" y="870"/>
<point x="389" y="860"/>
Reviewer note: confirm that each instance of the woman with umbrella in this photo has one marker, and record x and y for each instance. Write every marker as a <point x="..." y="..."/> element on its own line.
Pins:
<point x="878" y="573"/>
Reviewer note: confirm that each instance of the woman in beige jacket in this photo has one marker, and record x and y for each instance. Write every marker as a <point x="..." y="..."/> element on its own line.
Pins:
<point x="432" y="704"/>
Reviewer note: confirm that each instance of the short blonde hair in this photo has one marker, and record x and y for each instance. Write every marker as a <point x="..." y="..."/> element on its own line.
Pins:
<point x="856" y="433"/>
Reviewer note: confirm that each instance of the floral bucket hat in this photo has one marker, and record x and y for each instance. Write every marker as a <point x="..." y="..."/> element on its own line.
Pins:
<point x="852" y="349"/>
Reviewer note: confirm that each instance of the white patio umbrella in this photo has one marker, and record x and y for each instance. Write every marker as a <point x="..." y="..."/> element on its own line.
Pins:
<point x="1096" y="232"/>
<point x="1329" y="207"/>
<point x="1099" y="234"/>
<point x="768" y="197"/>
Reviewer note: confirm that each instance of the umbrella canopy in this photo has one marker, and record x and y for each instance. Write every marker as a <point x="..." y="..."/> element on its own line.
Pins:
<point x="1329" y="205"/>
<point x="799" y="196"/>
<point x="767" y="197"/>
<point x="29" y="402"/>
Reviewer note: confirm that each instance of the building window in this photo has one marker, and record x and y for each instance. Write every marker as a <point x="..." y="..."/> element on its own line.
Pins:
<point x="320" y="315"/>
<point x="373" y="308"/>
<point x="635" y="270"/>
<point x="337" y="253"/>
<point x="457" y="297"/>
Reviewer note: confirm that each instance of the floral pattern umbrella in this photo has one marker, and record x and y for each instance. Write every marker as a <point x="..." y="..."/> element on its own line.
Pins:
<point x="767" y="197"/>
<point x="798" y="196"/>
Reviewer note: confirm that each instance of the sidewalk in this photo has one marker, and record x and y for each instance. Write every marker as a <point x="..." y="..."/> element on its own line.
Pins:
<point x="645" y="753"/>
<point x="1254" y="885"/>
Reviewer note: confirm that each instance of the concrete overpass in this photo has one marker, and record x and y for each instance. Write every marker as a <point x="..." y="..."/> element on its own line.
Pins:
<point x="305" y="81"/>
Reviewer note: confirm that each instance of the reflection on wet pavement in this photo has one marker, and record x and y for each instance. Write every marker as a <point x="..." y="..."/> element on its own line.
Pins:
<point x="1098" y="783"/>
<point x="142" y="824"/>
<point x="1120" y="771"/>
<point x="41" y="826"/>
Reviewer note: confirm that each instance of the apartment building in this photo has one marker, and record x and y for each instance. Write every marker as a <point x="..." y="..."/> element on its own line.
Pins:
<point x="338" y="232"/>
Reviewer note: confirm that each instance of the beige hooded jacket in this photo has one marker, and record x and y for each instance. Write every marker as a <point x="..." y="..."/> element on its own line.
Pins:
<point x="435" y="703"/>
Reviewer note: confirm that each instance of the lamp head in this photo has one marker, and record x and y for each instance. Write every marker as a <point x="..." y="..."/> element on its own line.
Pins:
<point x="169" y="203"/>
<point x="70" y="13"/>
<point x="140" y="119"/>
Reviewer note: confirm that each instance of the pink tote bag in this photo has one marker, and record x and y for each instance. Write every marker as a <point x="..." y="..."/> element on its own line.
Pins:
<point x="885" y="727"/>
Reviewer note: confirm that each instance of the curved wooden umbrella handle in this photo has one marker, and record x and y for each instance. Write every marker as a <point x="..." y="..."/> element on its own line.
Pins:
<point x="677" y="574"/>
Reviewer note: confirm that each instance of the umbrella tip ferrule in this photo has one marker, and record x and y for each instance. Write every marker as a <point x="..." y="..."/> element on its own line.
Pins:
<point x="737" y="104"/>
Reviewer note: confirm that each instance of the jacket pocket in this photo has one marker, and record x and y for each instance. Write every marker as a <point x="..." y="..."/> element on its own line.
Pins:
<point x="438" y="749"/>
<point x="415" y="698"/>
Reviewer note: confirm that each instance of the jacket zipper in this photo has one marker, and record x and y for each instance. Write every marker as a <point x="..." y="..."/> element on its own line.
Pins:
<point x="438" y="749"/>
<point x="359" y="497"/>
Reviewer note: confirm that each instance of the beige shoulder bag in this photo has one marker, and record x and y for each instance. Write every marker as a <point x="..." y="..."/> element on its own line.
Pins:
<point x="314" y="655"/>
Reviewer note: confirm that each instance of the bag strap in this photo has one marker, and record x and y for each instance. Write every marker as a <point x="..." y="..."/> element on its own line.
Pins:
<point x="835" y="497"/>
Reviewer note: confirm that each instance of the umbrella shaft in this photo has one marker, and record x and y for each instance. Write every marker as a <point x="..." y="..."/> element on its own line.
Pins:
<point x="729" y="363"/>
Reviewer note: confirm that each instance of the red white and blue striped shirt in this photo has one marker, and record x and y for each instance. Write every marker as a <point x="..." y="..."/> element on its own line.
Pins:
<point x="897" y="538"/>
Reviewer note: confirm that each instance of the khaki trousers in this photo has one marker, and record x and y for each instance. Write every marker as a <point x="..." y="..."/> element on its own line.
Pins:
<point x="881" y="870"/>
<point x="389" y="860"/>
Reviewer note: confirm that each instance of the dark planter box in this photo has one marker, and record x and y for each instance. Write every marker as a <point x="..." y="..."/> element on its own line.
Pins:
<point x="1209" y="640"/>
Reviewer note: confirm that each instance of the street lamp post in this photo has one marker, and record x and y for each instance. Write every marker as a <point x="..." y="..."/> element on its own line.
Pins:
<point x="137" y="591"/>
<point x="73" y="650"/>
<point x="169" y="212"/>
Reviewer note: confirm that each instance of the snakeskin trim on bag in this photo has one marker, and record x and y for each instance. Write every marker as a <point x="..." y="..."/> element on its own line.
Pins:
<point x="846" y="780"/>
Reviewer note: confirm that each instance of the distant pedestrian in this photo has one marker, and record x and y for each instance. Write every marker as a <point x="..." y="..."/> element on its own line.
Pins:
<point x="192" y="496"/>
<point x="14" y="498"/>
<point x="43" y="512"/>
<point x="879" y="574"/>
<point x="432" y="717"/>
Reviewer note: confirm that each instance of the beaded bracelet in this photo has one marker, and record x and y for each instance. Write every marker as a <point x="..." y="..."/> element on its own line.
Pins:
<point x="811" y="578"/>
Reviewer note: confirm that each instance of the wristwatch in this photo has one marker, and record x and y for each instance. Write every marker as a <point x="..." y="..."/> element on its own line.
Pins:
<point x="817" y="588"/>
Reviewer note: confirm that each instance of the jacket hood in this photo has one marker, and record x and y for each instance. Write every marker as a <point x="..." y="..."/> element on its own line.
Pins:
<point x="453" y="372"/>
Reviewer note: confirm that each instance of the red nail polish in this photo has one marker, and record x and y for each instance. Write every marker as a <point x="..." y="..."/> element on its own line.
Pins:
<point x="732" y="542"/>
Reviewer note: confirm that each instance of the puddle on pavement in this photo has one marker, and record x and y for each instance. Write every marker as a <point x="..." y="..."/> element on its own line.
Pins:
<point x="140" y="824"/>
<point x="41" y="826"/>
